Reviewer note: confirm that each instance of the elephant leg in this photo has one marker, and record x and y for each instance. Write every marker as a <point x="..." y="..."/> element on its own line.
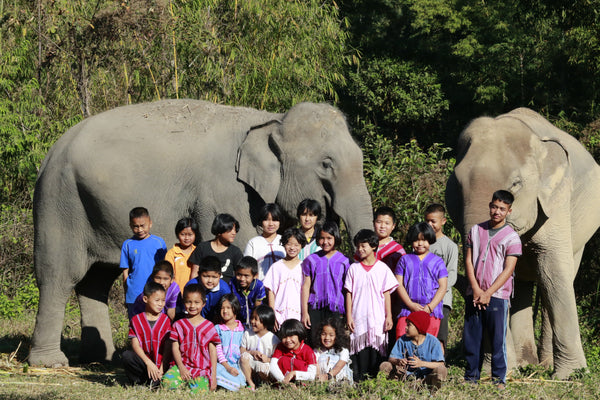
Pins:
<point x="92" y="292"/>
<point x="545" y="348"/>
<point x="521" y="324"/>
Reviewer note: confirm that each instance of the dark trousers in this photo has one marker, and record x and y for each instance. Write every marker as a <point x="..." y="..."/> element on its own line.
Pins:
<point x="365" y="364"/>
<point x="135" y="368"/>
<point x="491" y="321"/>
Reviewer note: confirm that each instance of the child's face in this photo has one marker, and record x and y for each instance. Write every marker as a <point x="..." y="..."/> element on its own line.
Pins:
<point x="292" y="248"/>
<point x="328" y="336"/>
<point x="411" y="330"/>
<point x="436" y="220"/>
<point x="227" y="311"/>
<point x="307" y="220"/>
<point x="194" y="303"/>
<point x="269" y="226"/>
<point x="245" y="277"/>
<point x="326" y="241"/>
<point x="291" y="342"/>
<point x="420" y="246"/>
<point x="140" y="227"/>
<point x="163" y="278"/>
<point x="227" y="237"/>
<point x="186" y="237"/>
<point x="210" y="279"/>
<point x="256" y="324"/>
<point x="364" y="250"/>
<point x="384" y="225"/>
<point x="155" y="302"/>
<point x="499" y="210"/>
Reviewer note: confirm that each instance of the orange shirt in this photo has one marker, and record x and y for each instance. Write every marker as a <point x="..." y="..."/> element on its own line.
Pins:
<point x="181" y="267"/>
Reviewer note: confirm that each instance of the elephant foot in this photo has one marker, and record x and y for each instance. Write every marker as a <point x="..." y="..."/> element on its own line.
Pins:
<point x="564" y="372"/>
<point x="50" y="359"/>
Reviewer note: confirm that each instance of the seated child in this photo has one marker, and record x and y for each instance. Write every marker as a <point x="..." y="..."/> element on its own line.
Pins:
<point x="258" y="345"/>
<point x="149" y="332"/>
<point x="187" y="231"/>
<point x="333" y="356"/>
<point x="230" y="330"/>
<point x="249" y="290"/>
<point x="163" y="274"/>
<point x="267" y="248"/>
<point x="210" y="278"/>
<point x="293" y="360"/>
<point x="417" y="353"/>
<point x="194" y="343"/>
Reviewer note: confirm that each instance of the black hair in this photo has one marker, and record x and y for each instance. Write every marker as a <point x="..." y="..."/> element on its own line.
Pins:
<point x="366" y="236"/>
<point x="310" y="205"/>
<point x="291" y="327"/>
<point x="293" y="232"/>
<point x="384" y="210"/>
<point x="224" y="223"/>
<point x="420" y="228"/>
<point x="247" y="262"/>
<point x="138" y="212"/>
<point x="504" y="196"/>
<point x="152" y="287"/>
<point x="194" y="288"/>
<point x="332" y="228"/>
<point x="235" y="306"/>
<point x="209" y="263"/>
<point x="273" y="209"/>
<point x="435" y="207"/>
<point x="266" y="316"/>
<point x="342" y="339"/>
<point x="163" y="265"/>
<point x="187" y="222"/>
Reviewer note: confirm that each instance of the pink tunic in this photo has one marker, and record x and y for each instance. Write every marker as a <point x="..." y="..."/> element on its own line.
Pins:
<point x="286" y="285"/>
<point x="193" y="345"/>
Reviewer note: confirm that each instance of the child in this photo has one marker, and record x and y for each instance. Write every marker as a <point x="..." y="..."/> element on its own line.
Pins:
<point x="224" y="227"/>
<point x="267" y="248"/>
<point x="417" y="353"/>
<point x="492" y="251"/>
<point x="444" y="247"/>
<point x="293" y="359"/>
<point x="138" y="255"/>
<point x="194" y="340"/>
<point x="249" y="290"/>
<point x="308" y="213"/>
<point x="423" y="279"/>
<point x="368" y="310"/>
<point x="162" y="274"/>
<point x="213" y="285"/>
<point x="258" y="345"/>
<point x="284" y="279"/>
<point x="230" y="332"/>
<point x="333" y="357"/>
<point x="186" y="231"/>
<point x="324" y="273"/>
<point x="388" y="251"/>
<point x="148" y="332"/>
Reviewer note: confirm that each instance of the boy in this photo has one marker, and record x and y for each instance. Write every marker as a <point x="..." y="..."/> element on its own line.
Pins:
<point x="417" y="353"/>
<point x="209" y="276"/>
<point x="248" y="289"/>
<point x="148" y="332"/>
<point x="162" y="273"/>
<point x="492" y="251"/>
<point x="384" y="223"/>
<point x="447" y="250"/>
<point x="138" y="255"/>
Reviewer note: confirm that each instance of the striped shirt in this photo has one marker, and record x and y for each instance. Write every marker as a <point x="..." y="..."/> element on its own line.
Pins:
<point x="152" y="339"/>
<point x="193" y="345"/>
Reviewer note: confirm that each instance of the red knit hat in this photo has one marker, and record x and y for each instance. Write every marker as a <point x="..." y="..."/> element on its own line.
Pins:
<point x="420" y="319"/>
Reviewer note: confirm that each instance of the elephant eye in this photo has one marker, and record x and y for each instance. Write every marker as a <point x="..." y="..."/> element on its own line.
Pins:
<point x="516" y="185"/>
<point x="327" y="163"/>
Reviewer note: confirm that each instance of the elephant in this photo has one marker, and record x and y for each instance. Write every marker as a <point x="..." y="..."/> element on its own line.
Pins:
<point x="177" y="158"/>
<point x="556" y="184"/>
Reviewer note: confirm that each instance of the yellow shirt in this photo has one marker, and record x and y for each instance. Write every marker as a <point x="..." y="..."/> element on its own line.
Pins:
<point x="181" y="267"/>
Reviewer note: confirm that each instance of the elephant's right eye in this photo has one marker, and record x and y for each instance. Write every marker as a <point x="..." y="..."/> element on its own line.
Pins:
<point x="327" y="163"/>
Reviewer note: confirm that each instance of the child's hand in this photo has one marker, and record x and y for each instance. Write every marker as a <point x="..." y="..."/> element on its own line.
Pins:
<point x="154" y="373"/>
<point x="185" y="373"/>
<point x="306" y="320"/>
<point x="232" y="370"/>
<point x="415" y="307"/>
<point x="213" y="385"/>
<point x="415" y="362"/>
<point x="322" y="378"/>
<point x="403" y="363"/>
<point x="289" y="376"/>
<point x="351" y="324"/>
<point x="389" y="324"/>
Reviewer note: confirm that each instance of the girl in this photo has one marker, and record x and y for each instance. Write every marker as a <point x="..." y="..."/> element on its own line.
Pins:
<point x="293" y="359"/>
<point x="224" y="227"/>
<point x="267" y="248"/>
<point x="333" y="356"/>
<point x="308" y="213"/>
<point x="186" y="231"/>
<point x="324" y="273"/>
<point x="284" y="278"/>
<point x="230" y="332"/>
<point x="258" y="345"/>
<point x="422" y="278"/>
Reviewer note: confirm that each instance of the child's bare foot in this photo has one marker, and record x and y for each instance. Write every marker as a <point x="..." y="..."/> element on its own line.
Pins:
<point x="251" y="386"/>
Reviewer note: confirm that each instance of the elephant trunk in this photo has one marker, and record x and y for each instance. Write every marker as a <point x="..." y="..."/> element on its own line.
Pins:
<point x="353" y="205"/>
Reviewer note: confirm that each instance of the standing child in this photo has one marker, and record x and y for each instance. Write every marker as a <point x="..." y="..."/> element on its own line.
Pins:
<point x="388" y="250"/>
<point x="492" y="251"/>
<point x="368" y="310"/>
<point x="186" y="231"/>
<point x="293" y="360"/>
<point x="258" y="345"/>
<point x="162" y="274"/>
<point x="148" y="332"/>
<point x="249" y="290"/>
<point x="308" y="213"/>
<point x="230" y="330"/>
<point x="224" y="227"/>
<point x="138" y="255"/>
<point x="267" y="248"/>
<point x="194" y="340"/>
<point x="284" y="279"/>
<point x="422" y="279"/>
<point x="214" y="287"/>
<point x="444" y="247"/>
<point x="333" y="356"/>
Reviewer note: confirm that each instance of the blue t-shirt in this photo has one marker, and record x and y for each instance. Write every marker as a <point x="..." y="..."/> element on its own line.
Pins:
<point x="212" y="297"/>
<point x="430" y="350"/>
<point x="140" y="256"/>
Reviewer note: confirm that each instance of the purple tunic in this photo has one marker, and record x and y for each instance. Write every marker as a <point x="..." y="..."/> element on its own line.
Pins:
<point x="420" y="279"/>
<point x="327" y="280"/>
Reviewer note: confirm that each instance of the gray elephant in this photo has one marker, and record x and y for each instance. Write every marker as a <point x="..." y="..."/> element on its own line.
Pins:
<point x="177" y="158"/>
<point x="556" y="184"/>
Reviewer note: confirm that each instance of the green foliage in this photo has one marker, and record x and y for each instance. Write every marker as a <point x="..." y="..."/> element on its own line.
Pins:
<point x="25" y="299"/>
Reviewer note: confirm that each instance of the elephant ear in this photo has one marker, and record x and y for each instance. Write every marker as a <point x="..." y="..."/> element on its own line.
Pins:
<point x="257" y="163"/>
<point x="555" y="176"/>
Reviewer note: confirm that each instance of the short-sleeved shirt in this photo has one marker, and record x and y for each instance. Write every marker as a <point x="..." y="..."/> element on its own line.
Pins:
<point x="182" y="268"/>
<point x="430" y="350"/>
<point x="193" y="345"/>
<point x="264" y="252"/>
<point x="171" y="298"/>
<point x="212" y="297"/>
<point x="265" y="344"/>
<point x="248" y="298"/>
<point x="286" y="285"/>
<point x="152" y="338"/>
<point x="445" y="248"/>
<point x="229" y="258"/>
<point x="139" y="256"/>
<point x="327" y="280"/>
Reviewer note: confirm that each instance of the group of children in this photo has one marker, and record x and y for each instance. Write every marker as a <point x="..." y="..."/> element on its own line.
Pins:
<point x="292" y="307"/>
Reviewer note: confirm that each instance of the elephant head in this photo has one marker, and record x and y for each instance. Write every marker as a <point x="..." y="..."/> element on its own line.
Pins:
<point x="309" y="153"/>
